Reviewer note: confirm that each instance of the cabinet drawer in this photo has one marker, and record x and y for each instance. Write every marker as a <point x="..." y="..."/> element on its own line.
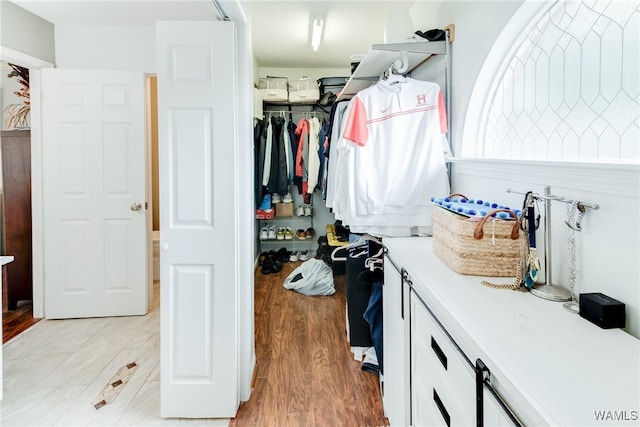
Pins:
<point x="435" y="398"/>
<point x="435" y="354"/>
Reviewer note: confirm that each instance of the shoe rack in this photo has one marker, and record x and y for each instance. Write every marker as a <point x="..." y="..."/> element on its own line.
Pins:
<point x="295" y="232"/>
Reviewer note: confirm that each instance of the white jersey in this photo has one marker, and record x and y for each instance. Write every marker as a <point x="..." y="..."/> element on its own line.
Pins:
<point x="399" y="161"/>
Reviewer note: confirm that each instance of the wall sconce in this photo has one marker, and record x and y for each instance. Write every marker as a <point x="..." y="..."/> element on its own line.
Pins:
<point x="316" y="30"/>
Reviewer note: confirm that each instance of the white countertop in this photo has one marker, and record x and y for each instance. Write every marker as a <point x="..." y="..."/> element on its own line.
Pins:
<point x="553" y="366"/>
<point x="5" y="259"/>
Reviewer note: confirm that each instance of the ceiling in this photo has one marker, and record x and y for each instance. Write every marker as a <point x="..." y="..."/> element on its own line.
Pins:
<point x="280" y="29"/>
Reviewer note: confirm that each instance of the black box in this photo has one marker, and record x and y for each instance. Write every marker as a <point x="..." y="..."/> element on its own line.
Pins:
<point x="332" y="84"/>
<point x="602" y="310"/>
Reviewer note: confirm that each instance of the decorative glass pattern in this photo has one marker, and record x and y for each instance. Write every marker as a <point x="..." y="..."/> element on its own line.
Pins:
<point x="571" y="91"/>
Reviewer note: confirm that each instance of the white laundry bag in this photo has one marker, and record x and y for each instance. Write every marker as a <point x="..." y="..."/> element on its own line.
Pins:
<point x="312" y="277"/>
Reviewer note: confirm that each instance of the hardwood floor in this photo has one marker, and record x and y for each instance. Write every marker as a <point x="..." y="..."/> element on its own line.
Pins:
<point x="18" y="320"/>
<point x="305" y="374"/>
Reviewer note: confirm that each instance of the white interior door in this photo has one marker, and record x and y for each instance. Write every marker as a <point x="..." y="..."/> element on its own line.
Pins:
<point x="93" y="151"/>
<point x="198" y="258"/>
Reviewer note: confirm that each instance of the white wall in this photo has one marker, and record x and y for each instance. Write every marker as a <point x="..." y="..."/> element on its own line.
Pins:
<point x="106" y="47"/>
<point x="477" y="26"/>
<point x="608" y="247"/>
<point x="24" y="32"/>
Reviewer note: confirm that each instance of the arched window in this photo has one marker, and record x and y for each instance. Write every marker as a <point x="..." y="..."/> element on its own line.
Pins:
<point x="567" y="88"/>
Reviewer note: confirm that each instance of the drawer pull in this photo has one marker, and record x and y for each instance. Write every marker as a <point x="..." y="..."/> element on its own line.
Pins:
<point x="438" y="351"/>
<point x="441" y="408"/>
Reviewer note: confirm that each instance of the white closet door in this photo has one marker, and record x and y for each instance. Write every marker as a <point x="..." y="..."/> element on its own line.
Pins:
<point x="198" y="259"/>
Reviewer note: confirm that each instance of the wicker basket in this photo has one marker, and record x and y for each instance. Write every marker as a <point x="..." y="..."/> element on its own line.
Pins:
<point x="496" y="254"/>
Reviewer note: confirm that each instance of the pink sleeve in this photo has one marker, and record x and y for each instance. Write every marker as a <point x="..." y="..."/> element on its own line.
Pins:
<point x="443" y="114"/>
<point x="355" y="128"/>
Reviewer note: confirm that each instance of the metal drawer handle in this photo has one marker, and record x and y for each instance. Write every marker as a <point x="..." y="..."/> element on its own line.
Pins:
<point x="438" y="351"/>
<point x="443" y="410"/>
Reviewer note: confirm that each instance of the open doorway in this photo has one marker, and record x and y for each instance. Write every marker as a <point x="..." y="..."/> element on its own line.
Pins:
<point x="15" y="199"/>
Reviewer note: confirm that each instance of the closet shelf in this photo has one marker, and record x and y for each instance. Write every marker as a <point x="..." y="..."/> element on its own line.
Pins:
<point x="381" y="56"/>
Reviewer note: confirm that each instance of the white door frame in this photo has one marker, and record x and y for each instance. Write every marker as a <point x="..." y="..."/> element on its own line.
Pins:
<point x="244" y="205"/>
<point x="34" y="64"/>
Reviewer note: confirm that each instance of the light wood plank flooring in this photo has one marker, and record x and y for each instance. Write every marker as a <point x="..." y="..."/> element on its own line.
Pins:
<point x="306" y="374"/>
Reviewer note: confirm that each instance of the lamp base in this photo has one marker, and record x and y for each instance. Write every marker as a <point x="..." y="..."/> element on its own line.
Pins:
<point x="551" y="292"/>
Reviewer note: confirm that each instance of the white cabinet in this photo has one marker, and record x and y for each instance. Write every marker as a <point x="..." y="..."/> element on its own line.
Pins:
<point x="443" y="384"/>
<point x="543" y="363"/>
<point x="395" y="384"/>
<point x="494" y="415"/>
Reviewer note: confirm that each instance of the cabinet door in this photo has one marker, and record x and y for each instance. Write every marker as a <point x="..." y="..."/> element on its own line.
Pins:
<point x="494" y="415"/>
<point x="395" y="348"/>
<point x="442" y="386"/>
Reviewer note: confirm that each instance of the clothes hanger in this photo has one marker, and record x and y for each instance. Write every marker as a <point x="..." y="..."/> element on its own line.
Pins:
<point x="395" y="72"/>
<point x="362" y="239"/>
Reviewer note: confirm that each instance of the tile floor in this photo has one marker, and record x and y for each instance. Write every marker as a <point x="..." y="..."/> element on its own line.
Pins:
<point x="55" y="370"/>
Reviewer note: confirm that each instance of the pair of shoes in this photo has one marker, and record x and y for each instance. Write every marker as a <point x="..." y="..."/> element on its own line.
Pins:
<point x="271" y="232"/>
<point x="261" y="258"/>
<point x="287" y="198"/>
<point x="295" y="256"/>
<point x="271" y="263"/>
<point x="309" y="233"/>
<point x="299" y="211"/>
<point x="275" y="198"/>
<point x="264" y="233"/>
<point x="288" y="233"/>
<point x="306" y="255"/>
<point x="307" y="210"/>
<point x="282" y="255"/>
<point x="266" y="203"/>
<point x="301" y="234"/>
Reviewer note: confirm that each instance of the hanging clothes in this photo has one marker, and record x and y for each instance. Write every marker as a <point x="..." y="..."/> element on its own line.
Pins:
<point x="266" y="171"/>
<point x="391" y="158"/>
<point x="302" y="132"/>
<point x="323" y="142"/>
<point x="258" y="156"/>
<point x="277" y="182"/>
<point x="312" y="155"/>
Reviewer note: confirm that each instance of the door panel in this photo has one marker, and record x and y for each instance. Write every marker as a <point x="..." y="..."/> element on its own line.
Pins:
<point x="198" y="262"/>
<point x="93" y="172"/>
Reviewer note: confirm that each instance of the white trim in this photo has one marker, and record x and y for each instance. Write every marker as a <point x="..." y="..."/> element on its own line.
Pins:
<point x="37" y="214"/>
<point x="243" y="205"/>
<point x="504" y="47"/>
<point x="619" y="179"/>
<point x="9" y="55"/>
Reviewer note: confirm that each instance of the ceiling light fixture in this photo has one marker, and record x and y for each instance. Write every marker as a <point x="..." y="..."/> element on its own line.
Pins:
<point x="316" y="30"/>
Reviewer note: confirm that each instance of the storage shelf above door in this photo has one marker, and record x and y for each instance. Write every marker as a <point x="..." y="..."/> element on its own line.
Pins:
<point x="381" y="56"/>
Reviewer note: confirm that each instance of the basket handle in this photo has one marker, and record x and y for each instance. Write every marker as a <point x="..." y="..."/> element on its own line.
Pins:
<point x="515" y="232"/>
<point x="459" y="194"/>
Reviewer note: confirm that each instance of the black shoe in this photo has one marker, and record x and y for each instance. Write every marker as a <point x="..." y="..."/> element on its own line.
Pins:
<point x="432" y="35"/>
<point x="267" y="266"/>
<point x="282" y="255"/>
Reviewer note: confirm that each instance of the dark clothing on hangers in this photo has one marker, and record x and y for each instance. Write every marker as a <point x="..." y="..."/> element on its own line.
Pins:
<point x="278" y="176"/>
<point x="373" y="316"/>
<point x="324" y="127"/>
<point x="259" y="147"/>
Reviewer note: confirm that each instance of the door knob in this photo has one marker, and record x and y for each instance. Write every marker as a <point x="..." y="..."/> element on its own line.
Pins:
<point x="136" y="207"/>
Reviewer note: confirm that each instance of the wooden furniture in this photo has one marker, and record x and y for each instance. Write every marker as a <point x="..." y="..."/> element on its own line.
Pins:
<point x="495" y="357"/>
<point x="15" y="146"/>
<point x="3" y="261"/>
